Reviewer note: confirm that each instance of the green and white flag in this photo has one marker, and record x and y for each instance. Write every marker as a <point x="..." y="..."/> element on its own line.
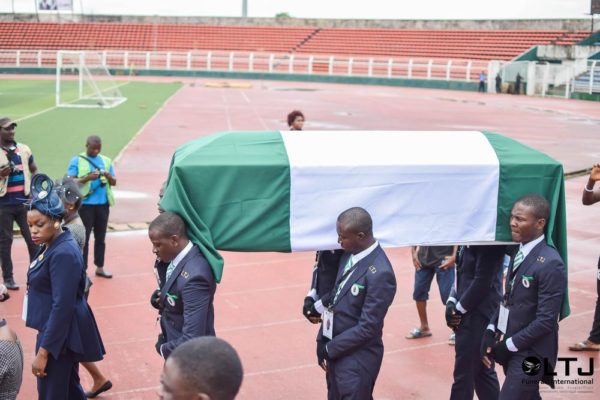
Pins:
<point x="282" y="191"/>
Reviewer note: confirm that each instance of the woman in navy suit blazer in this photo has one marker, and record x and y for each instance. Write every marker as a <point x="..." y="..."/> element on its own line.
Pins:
<point x="55" y="304"/>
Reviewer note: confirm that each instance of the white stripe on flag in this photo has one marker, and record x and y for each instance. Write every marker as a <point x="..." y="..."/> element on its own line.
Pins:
<point x="420" y="187"/>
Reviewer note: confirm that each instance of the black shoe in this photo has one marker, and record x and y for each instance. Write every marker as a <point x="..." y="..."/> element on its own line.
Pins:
<point x="10" y="284"/>
<point x="103" y="388"/>
<point x="102" y="273"/>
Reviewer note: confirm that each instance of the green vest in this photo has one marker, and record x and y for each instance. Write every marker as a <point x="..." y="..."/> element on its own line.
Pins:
<point x="83" y="169"/>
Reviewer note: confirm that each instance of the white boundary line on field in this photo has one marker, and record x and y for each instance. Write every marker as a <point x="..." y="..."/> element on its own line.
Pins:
<point x="138" y="133"/>
<point x="52" y="108"/>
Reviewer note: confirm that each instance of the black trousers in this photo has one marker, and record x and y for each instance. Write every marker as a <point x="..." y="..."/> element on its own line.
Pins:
<point x="517" y="385"/>
<point x="349" y="380"/>
<point x="8" y="216"/>
<point x="481" y="87"/>
<point x="595" y="333"/>
<point x="95" y="218"/>
<point x="470" y="375"/>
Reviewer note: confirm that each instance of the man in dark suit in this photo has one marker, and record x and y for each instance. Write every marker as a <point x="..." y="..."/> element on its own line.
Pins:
<point x="323" y="278"/>
<point x="186" y="296"/>
<point x="349" y="343"/>
<point x="468" y="311"/>
<point x="526" y="321"/>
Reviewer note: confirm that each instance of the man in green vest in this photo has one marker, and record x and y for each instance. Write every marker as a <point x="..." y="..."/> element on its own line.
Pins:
<point x="96" y="176"/>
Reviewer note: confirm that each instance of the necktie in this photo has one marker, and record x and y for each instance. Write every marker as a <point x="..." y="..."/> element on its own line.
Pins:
<point x="170" y="270"/>
<point x="341" y="285"/>
<point x="518" y="259"/>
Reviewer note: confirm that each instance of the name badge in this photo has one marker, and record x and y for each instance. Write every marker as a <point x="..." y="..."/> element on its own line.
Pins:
<point x="503" y="319"/>
<point x="24" y="312"/>
<point x="328" y="324"/>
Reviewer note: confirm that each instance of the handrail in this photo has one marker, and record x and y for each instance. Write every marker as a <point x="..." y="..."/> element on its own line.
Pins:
<point x="266" y="62"/>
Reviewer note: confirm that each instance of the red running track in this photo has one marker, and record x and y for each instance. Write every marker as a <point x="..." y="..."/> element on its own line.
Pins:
<point x="258" y="303"/>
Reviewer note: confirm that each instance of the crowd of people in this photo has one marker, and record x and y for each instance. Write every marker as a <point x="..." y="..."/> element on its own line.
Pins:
<point x="502" y="303"/>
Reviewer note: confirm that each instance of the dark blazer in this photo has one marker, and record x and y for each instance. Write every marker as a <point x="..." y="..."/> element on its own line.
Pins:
<point x="326" y="270"/>
<point x="479" y="278"/>
<point x="56" y="305"/>
<point x="187" y="301"/>
<point x="358" y="318"/>
<point x="534" y="307"/>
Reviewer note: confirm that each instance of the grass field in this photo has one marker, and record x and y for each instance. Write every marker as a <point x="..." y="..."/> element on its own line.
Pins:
<point x="55" y="135"/>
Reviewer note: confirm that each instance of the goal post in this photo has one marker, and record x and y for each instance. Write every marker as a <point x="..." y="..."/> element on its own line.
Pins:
<point x="83" y="81"/>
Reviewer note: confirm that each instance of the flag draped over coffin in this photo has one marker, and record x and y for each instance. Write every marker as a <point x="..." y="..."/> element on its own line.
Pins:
<point x="282" y="191"/>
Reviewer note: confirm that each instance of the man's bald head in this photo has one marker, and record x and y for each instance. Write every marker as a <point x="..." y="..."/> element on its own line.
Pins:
<point x="169" y="224"/>
<point x="355" y="230"/>
<point x="94" y="139"/>
<point x="203" y="367"/>
<point x="357" y="219"/>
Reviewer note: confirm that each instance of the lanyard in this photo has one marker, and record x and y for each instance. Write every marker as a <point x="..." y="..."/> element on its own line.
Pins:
<point x="510" y="281"/>
<point x="341" y="281"/>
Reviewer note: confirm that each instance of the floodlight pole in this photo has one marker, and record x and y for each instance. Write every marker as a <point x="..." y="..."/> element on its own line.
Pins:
<point x="244" y="8"/>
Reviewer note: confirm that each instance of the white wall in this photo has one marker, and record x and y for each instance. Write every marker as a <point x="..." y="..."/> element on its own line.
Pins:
<point x="137" y="7"/>
<point x="374" y="9"/>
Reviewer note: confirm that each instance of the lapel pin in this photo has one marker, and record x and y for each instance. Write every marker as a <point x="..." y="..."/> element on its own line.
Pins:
<point x="541" y="259"/>
<point x="185" y="274"/>
<point x="354" y="290"/>
<point x="372" y="269"/>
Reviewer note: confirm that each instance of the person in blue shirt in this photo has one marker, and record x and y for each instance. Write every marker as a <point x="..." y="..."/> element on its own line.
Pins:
<point x="96" y="176"/>
<point x="482" y="79"/>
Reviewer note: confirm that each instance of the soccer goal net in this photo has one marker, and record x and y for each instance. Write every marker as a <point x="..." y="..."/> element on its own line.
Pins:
<point x="83" y="81"/>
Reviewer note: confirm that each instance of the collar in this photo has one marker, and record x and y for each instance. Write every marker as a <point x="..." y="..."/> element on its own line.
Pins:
<point x="183" y="253"/>
<point x="12" y="143"/>
<point x="526" y="248"/>
<point x="358" y="257"/>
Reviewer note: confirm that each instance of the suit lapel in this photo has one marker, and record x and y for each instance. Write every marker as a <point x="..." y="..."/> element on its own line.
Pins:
<point x="177" y="271"/>
<point x="361" y="268"/>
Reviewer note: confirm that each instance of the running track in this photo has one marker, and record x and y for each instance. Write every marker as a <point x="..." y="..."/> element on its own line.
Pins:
<point x="258" y="304"/>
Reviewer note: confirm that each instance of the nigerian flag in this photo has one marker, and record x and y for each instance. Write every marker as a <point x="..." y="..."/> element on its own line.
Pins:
<point x="282" y="191"/>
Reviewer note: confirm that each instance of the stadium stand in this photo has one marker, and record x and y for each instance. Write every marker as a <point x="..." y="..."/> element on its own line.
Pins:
<point x="437" y="44"/>
<point x="450" y="44"/>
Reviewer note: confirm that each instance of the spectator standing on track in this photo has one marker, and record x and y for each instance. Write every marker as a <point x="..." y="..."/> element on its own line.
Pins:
<point x="498" y="83"/>
<point x="430" y="261"/>
<point x="205" y="368"/>
<point x="470" y="307"/>
<point x="524" y="329"/>
<point x="55" y="304"/>
<point x="71" y="198"/>
<point x="349" y="343"/>
<point x="591" y="196"/>
<point x="11" y="363"/>
<point x="16" y="169"/>
<point x="482" y="79"/>
<point x="186" y="296"/>
<point x="295" y="120"/>
<point x="96" y="176"/>
<point x="518" y="84"/>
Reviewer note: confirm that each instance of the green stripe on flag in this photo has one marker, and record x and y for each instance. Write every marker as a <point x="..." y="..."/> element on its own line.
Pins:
<point x="242" y="201"/>
<point x="524" y="170"/>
